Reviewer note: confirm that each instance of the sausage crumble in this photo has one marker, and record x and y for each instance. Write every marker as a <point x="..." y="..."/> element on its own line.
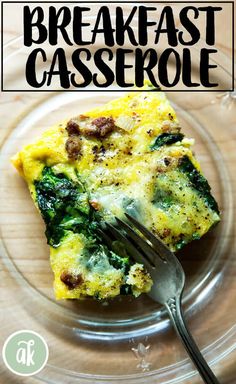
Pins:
<point x="73" y="147"/>
<point x="100" y="127"/>
<point x="72" y="281"/>
<point x="72" y="127"/>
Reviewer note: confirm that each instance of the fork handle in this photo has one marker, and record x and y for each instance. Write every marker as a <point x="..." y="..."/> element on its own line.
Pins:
<point x="175" y="311"/>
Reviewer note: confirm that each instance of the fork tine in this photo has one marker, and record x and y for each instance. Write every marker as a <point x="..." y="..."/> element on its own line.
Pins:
<point x="134" y="252"/>
<point x="161" y="247"/>
<point x="145" y="247"/>
<point x="105" y="237"/>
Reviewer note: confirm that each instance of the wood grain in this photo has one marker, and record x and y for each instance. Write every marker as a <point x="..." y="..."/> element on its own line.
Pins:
<point x="22" y="231"/>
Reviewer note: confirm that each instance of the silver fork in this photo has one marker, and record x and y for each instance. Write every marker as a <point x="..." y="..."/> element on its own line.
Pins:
<point x="168" y="279"/>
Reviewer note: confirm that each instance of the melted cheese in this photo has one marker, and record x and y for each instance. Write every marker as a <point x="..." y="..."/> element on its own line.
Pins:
<point x="126" y="176"/>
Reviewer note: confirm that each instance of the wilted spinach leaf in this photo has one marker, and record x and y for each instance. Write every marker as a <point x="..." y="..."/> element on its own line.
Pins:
<point x="198" y="182"/>
<point x="166" y="139"/>
<point x="64" y="205"/>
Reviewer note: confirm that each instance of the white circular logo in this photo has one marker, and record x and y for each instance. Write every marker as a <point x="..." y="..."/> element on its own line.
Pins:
<point x="25" y="353"/>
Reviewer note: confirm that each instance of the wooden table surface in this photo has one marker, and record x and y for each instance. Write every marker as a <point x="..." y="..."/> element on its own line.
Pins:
<point x="225" y="139"/>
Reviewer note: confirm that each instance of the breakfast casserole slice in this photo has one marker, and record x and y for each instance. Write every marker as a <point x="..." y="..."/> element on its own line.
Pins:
<point x="126" y="156"/>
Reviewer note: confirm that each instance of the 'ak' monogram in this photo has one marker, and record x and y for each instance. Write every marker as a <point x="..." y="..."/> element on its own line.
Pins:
<point x="24" y="355"/>
<point x="25" y="352"/>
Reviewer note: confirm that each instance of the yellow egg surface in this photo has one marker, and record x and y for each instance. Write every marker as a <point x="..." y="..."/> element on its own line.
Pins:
<point x="126" y="156"/>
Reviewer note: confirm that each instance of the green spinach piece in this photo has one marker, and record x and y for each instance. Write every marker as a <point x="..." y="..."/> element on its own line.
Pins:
<point x="98" y="257"/>
<point x="119" y="262"/>
<point x="63" y="204"/>
<point x="198" y="182"/>
<point x="163" y="199"/>
<point x="166" y="139"/>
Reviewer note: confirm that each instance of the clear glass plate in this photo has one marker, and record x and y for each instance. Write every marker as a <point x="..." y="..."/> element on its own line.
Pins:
<point x="126" y="339"/>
